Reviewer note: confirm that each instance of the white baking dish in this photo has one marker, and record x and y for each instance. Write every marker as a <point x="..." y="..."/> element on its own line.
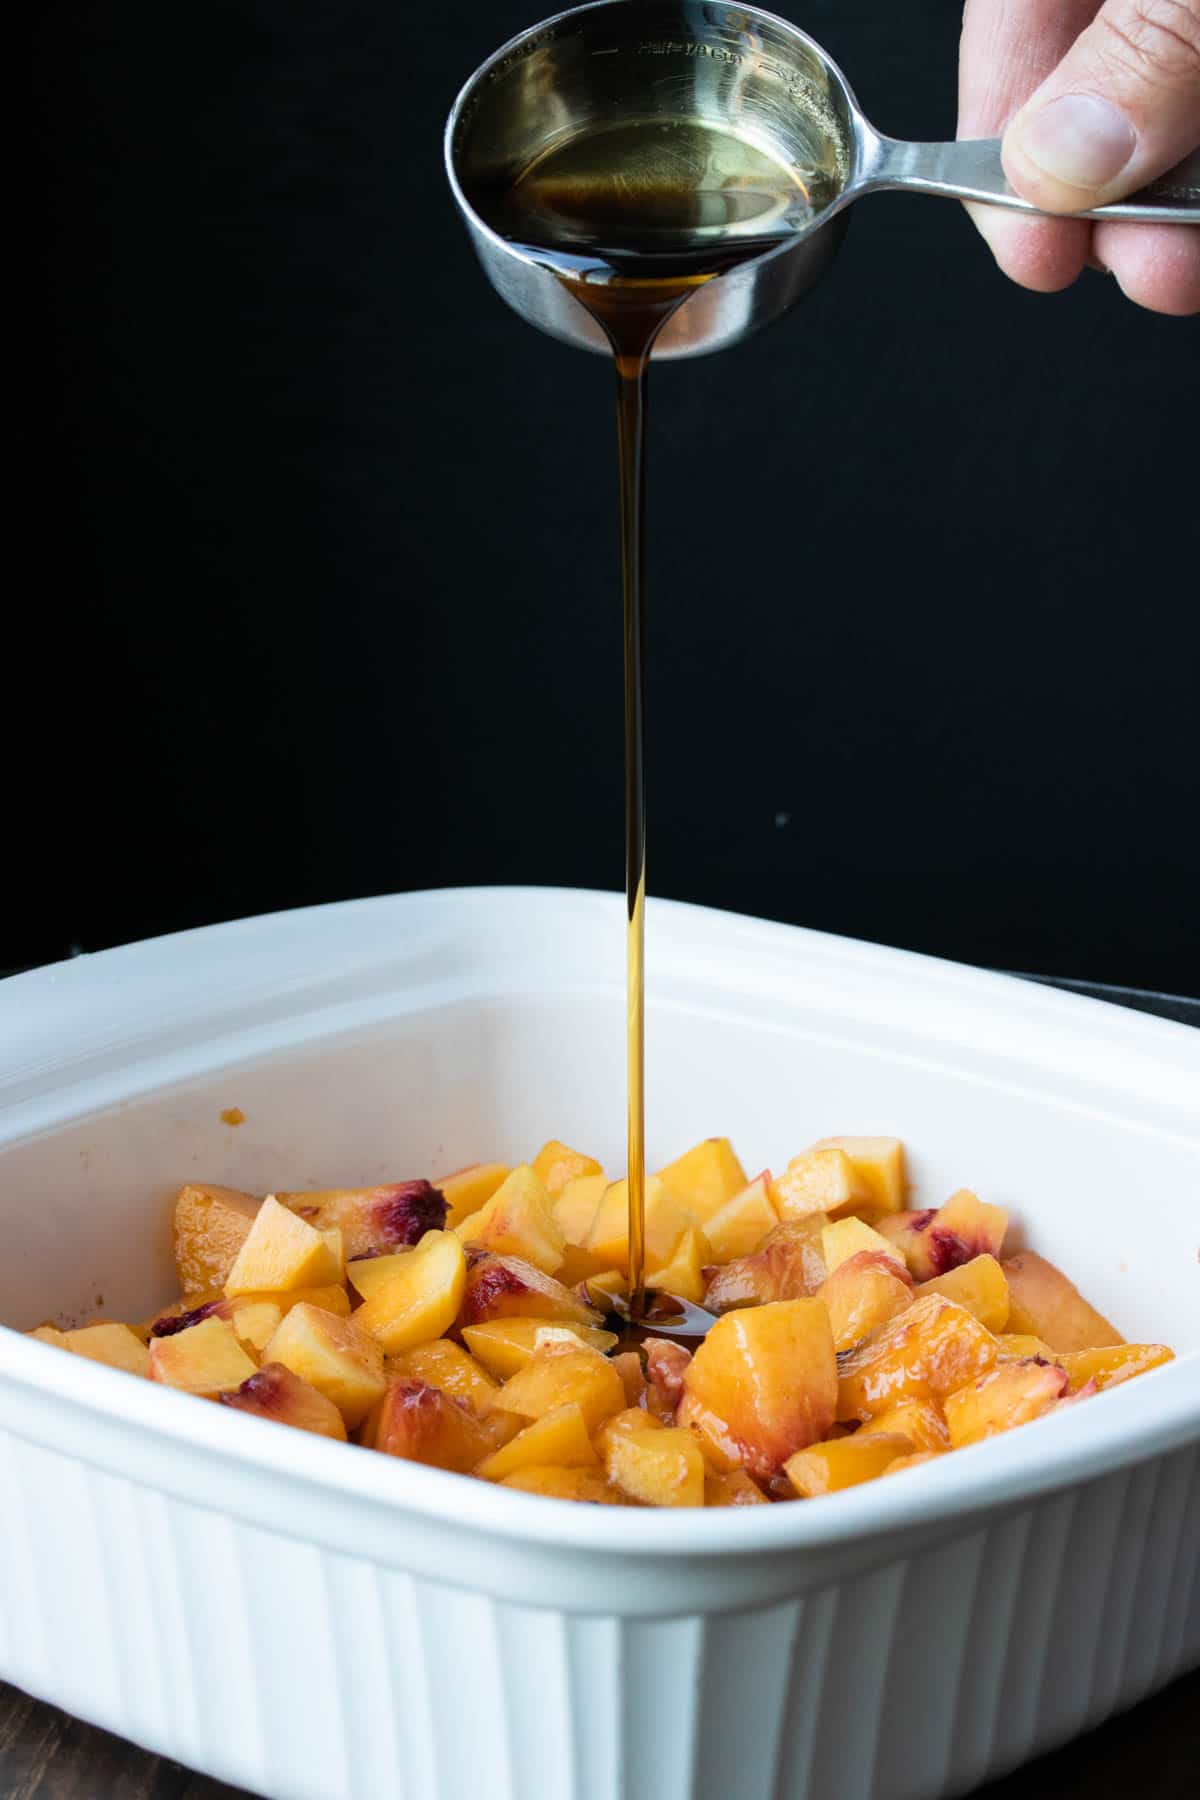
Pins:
<point x="311" y="1620"/>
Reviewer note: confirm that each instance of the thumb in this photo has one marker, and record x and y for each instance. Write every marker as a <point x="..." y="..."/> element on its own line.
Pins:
<point x="1121" y="108"/>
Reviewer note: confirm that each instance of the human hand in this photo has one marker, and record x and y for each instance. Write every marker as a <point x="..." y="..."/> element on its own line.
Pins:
<point x="1094" y="100"/>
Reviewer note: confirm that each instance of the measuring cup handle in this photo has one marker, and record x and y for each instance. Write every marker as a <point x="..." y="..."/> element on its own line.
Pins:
<point x="972" y="170"/>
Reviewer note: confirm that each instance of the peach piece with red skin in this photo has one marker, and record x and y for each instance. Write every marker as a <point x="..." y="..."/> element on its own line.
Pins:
<point x="925" y="1352"/>
<point x="863" y="1293"/>
<point x="392" y="1216"/>
<point x="938" y="1239"/>
<point x="1045" y="1304"/>
<point x="424" y="1424"/>
<point x="500" y="1287"/>
<point x="788" y="1264"/>
<point x="275" y="1393"/>
<point x="666" y="1366"/>
<point x="763" y="1384"/>
<point x="1011" y="1394"/>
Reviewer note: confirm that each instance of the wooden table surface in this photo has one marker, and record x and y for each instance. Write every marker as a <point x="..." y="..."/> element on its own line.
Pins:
<point x="1150" y="1753"/>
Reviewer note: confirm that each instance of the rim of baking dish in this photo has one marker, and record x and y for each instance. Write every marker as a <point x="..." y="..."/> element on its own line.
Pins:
<point x="283" y="994"/>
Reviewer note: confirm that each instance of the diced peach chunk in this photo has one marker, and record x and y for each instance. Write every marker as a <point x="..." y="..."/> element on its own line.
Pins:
<point x="505" y="1346"/>
<point x="820" y="1181"/>
<point x="630" y="1418"/>
<point x="734" y="1488"/>
<point x="211" y="1225"/>
<point x="921" y="1420"/>
<point x="559" y="1437"/>
<point x="204" y="1360"/>
<point x="390" y="1217"/>
<point x="588" y="1485"/>
<point x="628" y="1365"/>
<point x="878" y="1162"/>
<point x="667" y="1217"/>
<point x="517" y="1221"/>
<point x="666" y="1365"/>
<point x="1022" y="1345"/>
<point x="422" y="1299"/>
<point x="763" y="1383"/>
<point x="1111" y="1365"/>
<point x="788" y="1264"/>
<point x="367" y="1274"/>
<point x="115" y="1345"/>
<point x="916" y="1461"/>
<point x="500" y="1287"/>
<point x="1010" y="1394"/>
<point x="849" y="1237"/>
<point x="606" y="1288"/>
<point x="575" y="1208"/>
<point x="275" y="1393"/>
<point x="844" y="1462"/>
<point x="1044" y="1303"/>
<point x="939" y="1239"/>
<point x="740" y="1226"/>
<point x="424" y="1424"/>
<point x="468" y="1189"/>
<point x="705" y="1177"/>
<point x="558" y="1374"/>
<point x="925" y="1352"/>
<point x="683" y="1276"/>
<point x="556" y="1164"/>
<point x="863" y="1293"/>
<point x="49" y="1334"/>
<point x="335" y="1356"/>
<point x="254" y="1322"/>
<point x="980" y="1285"/>
<point x="281" y="1251"/>
<point x="446" y="1365"/>
<point x="213" y="1304"/>
<point x="658" y="1468"/>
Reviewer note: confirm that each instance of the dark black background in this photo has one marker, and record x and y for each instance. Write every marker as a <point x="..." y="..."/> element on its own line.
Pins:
<point x="323" y="596"/>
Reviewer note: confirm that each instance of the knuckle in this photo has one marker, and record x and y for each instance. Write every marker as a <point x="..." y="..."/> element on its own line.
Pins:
<point x="1156" y="41"/>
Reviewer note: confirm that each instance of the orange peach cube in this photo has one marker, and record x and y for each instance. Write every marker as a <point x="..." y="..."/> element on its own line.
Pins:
<point x="333" y="1355"/>
<point x="1112" y="1364"/>
<point x="820" y="1181"/>
<point x="763" y="1384"/>
<point x="916" y="1461"/>
<point x="878" y="1163"/>
<point x="733" y="1488"/>
<point x="667" y="1217"/>
<point x="211" y="1225"/>
<point x="517" y="1221"/>
<point x="844" y="1462"/>
<point x="422" y="1299"/>
<point x="925" y="1352"/>
<point x="469" y="1189"/>
<point x="575" y="1208"/>
<point x="559" y="1437"/>
<point x="980" y="1285"/>
<point x="740" y="1226"/>
<point x="505" y="1346"/>
<point x="705" y="1177"/>
<point x="446" y="1365"/>
<point x="281" y="1251"/>
<point x="205" y="1359"/>
<point x="683" y="1276"/>
<point x="1011" y="1394"/>
<point x="558" y="1374"/>
<point x="588" y="1485"/>
<point x="556" y="1164"/>
<point x="849" y="1237"/>
<point x="657" y="1468"/>
<point x="921" y="1420"/>
<point x="1045" y="1304"/>
<point x="115" y="1345"/>
<point x="863" y="1293"/>
<point x="630" y="1418"/>
<point x="367" y="1274"/>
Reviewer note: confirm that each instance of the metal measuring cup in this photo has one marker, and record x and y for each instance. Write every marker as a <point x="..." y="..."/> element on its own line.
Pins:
<point x="752" y="74"/>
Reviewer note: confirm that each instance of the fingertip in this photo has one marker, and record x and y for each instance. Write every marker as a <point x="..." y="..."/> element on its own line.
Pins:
<point x="1044" y="255"/>
<point x="1157" y="266"/>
